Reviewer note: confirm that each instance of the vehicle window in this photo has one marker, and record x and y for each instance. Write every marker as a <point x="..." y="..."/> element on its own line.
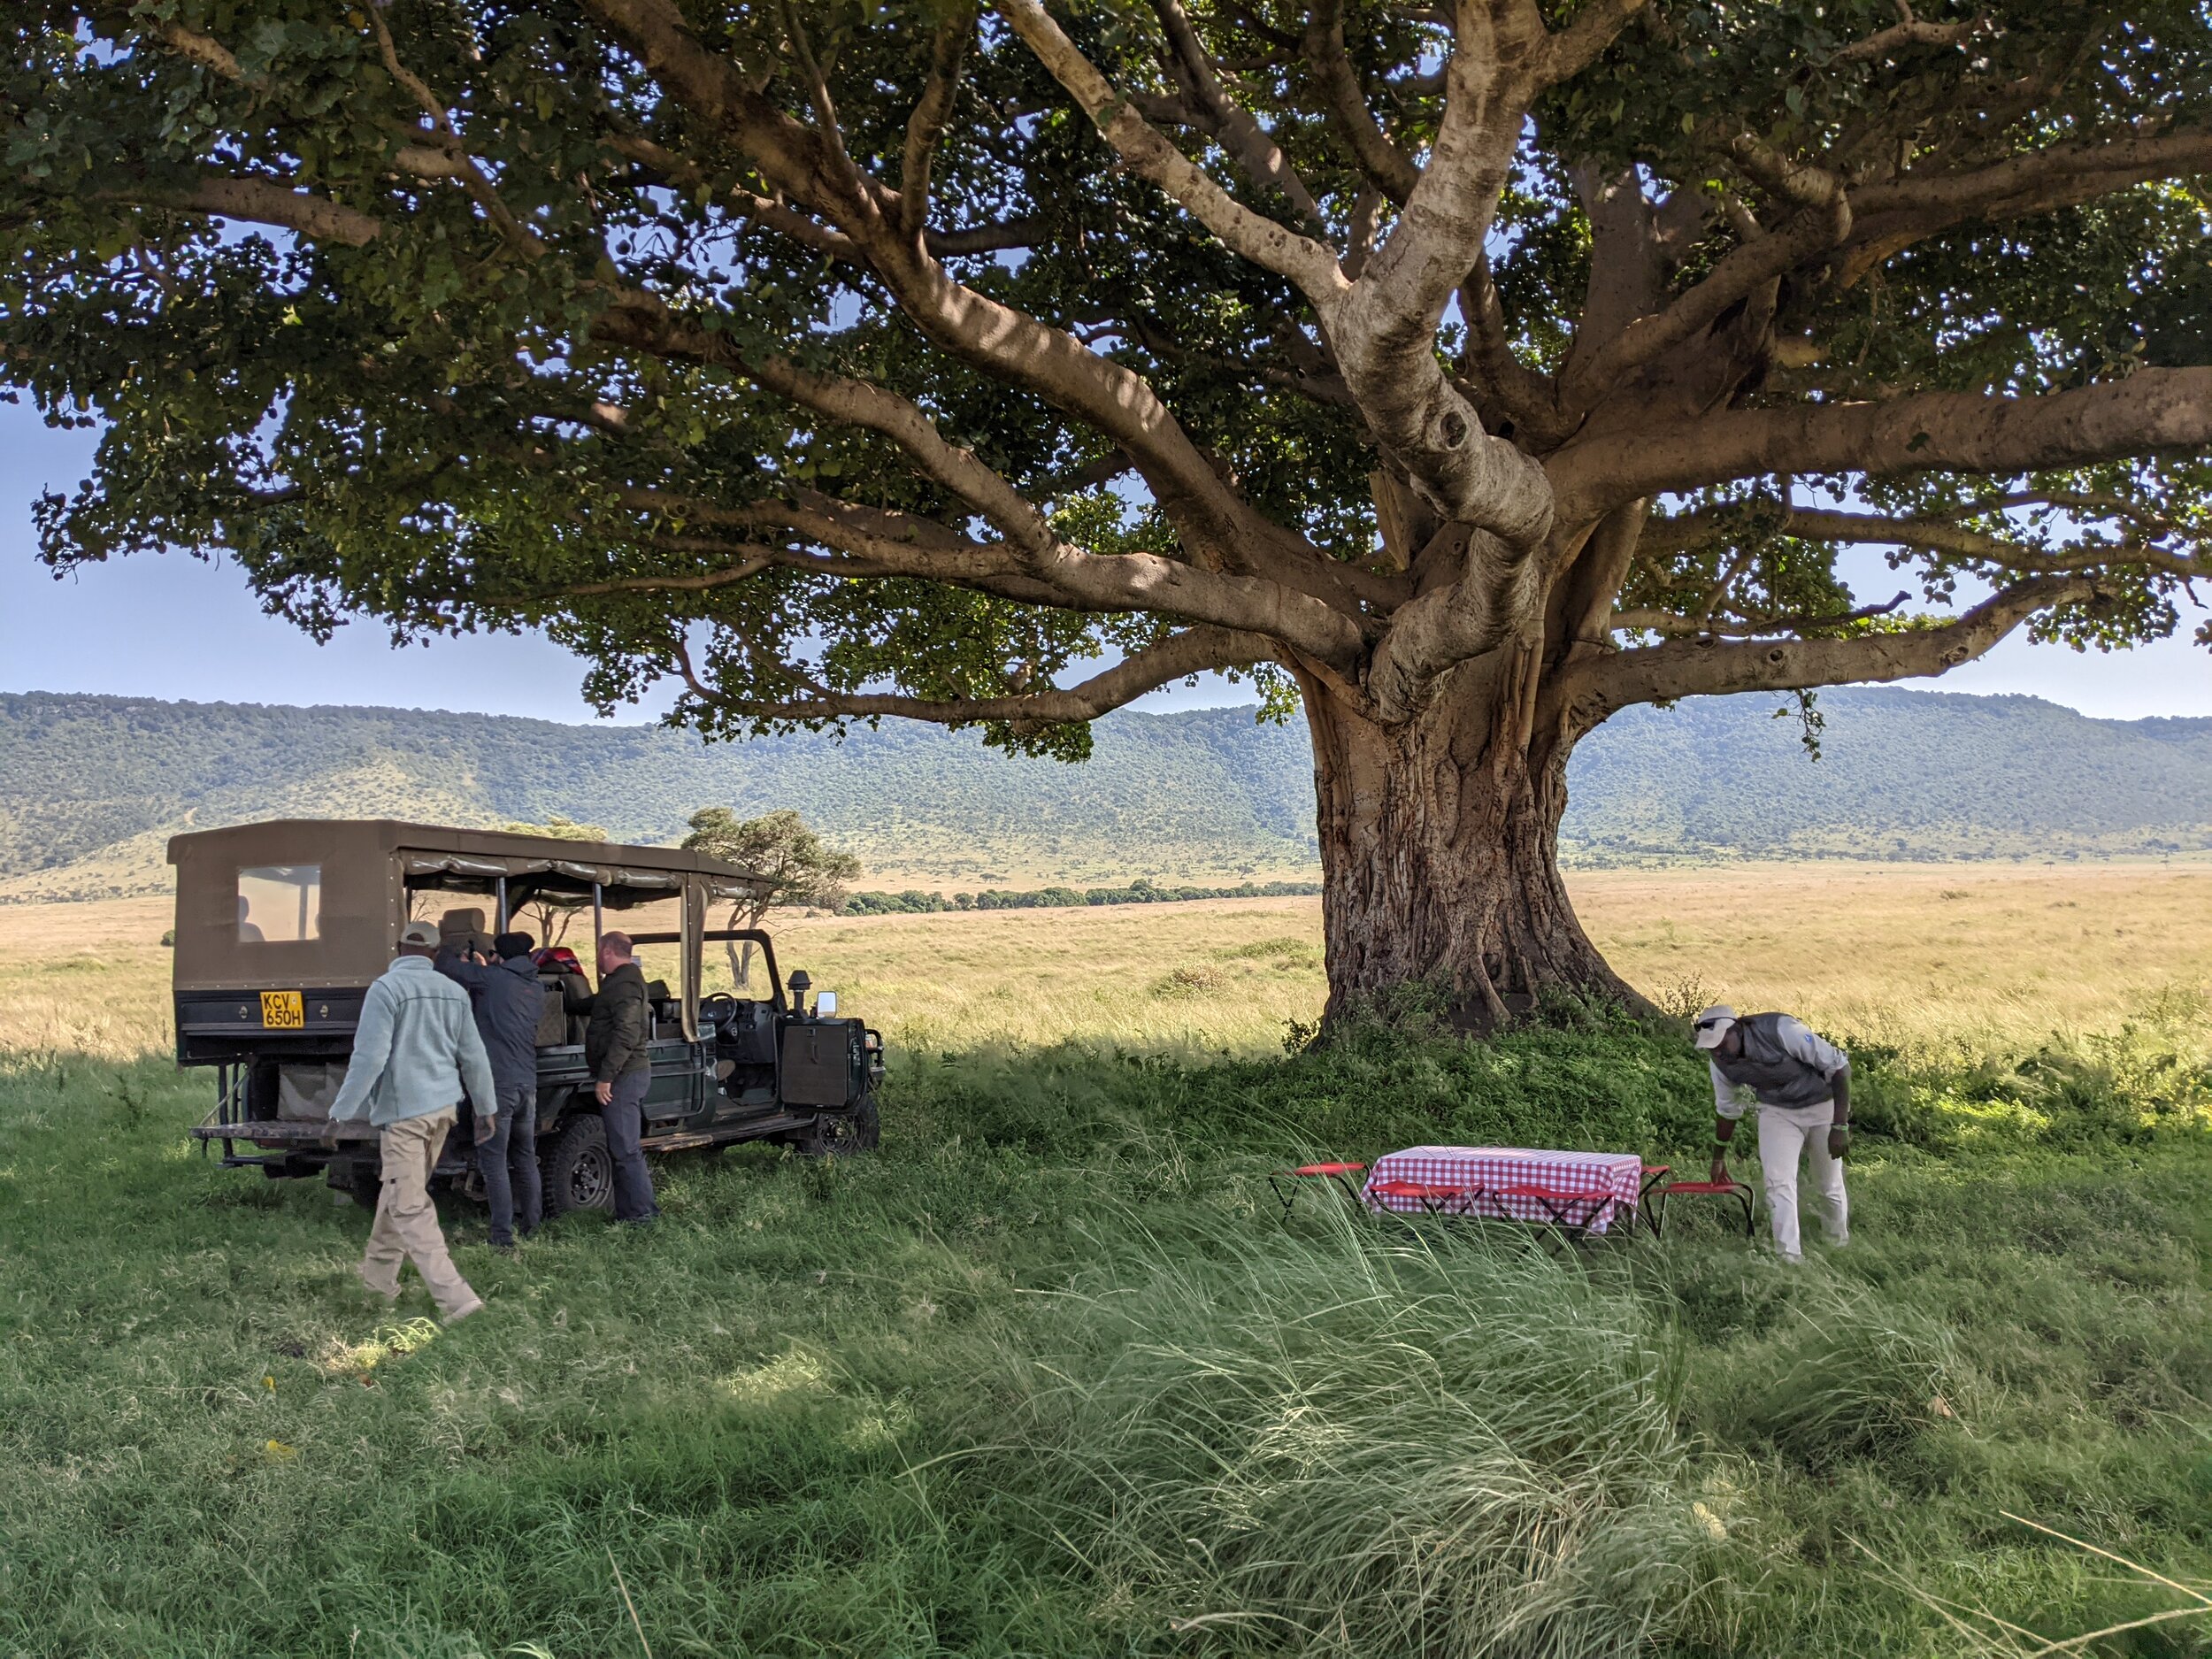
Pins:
<point x="279" y="904"/>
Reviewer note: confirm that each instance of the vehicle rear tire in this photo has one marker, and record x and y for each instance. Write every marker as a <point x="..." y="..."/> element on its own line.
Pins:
<point x="578" y="1170"/>
<point x="838" y="1135"/>
<point x="360" y="1178"/>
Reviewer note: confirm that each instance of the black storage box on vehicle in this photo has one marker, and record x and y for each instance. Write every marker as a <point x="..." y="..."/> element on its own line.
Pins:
<point x="822" y="1063"/>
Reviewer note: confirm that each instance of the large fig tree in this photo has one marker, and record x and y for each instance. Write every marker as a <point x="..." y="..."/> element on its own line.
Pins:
<point x="1463" y="371"/>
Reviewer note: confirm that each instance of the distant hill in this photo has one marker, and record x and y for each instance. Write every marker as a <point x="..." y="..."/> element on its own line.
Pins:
<point x="91" y="787"/>
<point x="1902" y="774"/>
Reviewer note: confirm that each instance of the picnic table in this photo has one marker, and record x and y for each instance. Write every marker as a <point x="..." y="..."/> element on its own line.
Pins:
<point x="1581" y="1191"/>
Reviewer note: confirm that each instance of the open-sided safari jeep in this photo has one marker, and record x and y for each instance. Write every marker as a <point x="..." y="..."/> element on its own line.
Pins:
<point x="281" y="927"/>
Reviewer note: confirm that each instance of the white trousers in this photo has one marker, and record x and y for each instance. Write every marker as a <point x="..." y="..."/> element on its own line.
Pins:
<point x="1784" y="1137"/>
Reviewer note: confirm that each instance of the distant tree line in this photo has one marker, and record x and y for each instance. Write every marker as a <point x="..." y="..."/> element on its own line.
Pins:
<point x="1141" y="891"/>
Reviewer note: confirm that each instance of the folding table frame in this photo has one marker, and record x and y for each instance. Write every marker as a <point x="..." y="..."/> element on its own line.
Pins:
<point x="1341" y="1176"/>
<point x="1434" y="1200"/>
<point x="1741" y="1191"/>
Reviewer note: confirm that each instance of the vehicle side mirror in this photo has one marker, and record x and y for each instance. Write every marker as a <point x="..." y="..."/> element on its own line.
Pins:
<point x="826" y="1004"/>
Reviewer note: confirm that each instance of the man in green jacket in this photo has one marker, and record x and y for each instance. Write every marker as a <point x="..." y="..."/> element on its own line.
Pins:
<point x="415" y="1049"/>
<point x="617" y="1050"/>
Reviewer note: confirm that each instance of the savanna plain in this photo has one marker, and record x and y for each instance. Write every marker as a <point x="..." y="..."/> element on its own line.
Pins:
<point x="1050" y="1374"/>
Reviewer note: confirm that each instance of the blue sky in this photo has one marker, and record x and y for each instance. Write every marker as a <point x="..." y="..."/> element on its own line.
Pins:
<point x="173" y="626"/>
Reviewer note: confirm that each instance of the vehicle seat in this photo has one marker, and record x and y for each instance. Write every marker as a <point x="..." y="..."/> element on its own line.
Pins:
<point x="462" y="931"/>
<point x="568" y="1000"/>
<point x="553" y="1018"/>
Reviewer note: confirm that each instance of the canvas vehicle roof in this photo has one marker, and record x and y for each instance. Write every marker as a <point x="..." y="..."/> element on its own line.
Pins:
<point x="321" y="901"/>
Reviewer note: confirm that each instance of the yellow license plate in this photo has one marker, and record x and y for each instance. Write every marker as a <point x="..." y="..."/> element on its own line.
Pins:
<point x="280" y="1010"/>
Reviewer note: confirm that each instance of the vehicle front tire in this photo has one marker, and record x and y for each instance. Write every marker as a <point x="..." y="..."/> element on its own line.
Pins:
<point x="578" y="1170"/>
<point x="836" y="1134"/>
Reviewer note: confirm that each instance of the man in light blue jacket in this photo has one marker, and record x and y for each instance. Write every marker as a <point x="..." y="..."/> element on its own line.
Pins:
<point x="414" y="1052"/>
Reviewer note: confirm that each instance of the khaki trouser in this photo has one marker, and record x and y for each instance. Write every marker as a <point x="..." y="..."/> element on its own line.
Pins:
<point x="1784" y="1136"/>
<point x="406" y="1225"/>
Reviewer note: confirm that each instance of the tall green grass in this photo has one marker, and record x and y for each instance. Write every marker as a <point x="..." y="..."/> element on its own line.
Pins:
<point x="1363" y="1442"/>
<point x="1050" y="1376"/>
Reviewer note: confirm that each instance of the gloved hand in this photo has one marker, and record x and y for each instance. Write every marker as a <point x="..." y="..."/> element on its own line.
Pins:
<point x="485" y="1125"/>
<point x="1839" y="1140"/>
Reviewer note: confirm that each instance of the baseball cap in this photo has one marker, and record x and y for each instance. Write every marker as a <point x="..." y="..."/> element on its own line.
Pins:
<point x="420" y="934"/>
<point x="511" y="945"/>
<point x="1713" y="1024"/>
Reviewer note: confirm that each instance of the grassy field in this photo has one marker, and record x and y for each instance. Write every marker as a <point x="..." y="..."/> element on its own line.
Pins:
<point x="1048" y="1376"/>
<point x="1934" y="958"/>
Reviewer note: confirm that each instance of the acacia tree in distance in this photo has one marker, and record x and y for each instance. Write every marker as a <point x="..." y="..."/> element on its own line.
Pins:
<point x="801" y="868"/>
<point x="1465" y="370"/>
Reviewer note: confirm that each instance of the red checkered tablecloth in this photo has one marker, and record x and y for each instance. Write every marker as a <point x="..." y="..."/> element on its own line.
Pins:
<point x="1493" y="1169"/>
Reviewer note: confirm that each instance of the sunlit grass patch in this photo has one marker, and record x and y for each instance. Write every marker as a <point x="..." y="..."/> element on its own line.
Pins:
<point x="388" y="1342"/>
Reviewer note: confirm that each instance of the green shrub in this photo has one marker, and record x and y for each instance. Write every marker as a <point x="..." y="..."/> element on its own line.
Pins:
<point x="1610" y="1090"/>
<point x="2122" y="1089"/>
<point x="1590" y="1079"/>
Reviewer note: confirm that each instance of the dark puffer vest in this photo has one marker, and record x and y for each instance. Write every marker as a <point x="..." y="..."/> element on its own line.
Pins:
<point x="1777" y="1077"/>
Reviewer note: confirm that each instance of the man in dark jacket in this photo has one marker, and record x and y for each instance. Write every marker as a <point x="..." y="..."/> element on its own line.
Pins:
<point x="617" y="1048"/>
<point x="508" y="1001"/>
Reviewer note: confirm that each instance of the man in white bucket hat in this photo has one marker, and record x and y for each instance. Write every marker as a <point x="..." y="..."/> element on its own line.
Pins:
<point x="1802" y="1088"/>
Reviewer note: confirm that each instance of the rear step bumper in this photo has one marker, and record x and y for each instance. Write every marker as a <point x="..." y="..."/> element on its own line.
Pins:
<point x="280" y="1135"/>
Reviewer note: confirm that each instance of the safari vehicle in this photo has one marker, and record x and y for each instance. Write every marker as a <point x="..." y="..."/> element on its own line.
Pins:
<point x="282" y="926"/>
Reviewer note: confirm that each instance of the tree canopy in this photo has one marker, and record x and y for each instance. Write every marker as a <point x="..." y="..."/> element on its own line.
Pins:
<point x="799" y="866"/>
<point x="560" y="829"/>
<point x="1532" y="357"/>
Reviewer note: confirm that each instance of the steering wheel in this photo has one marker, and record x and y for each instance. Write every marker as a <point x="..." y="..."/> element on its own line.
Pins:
<point x="717" y="1006"/>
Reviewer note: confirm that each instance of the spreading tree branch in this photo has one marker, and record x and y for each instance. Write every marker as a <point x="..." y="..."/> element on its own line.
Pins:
<point x="2151" y="410"/>
<point x="1740" y="273"/>
<point x="1388" y="168"/>
<point x="1892" y="217"/>
<point x="1227" y="121"/>
<point x="1575" y="48"/>
<point x="1590" y="691"/>
<point x="1665" y="622"/>
<point x="1909" y="31"/>
<point x="1383" y="327"/>
<point x="926" y="127"/>
<point x="1311" y="264"/>
<point x="258" y="202"/>
<point x="1219" y="529"/>
<point x="1123" y="581"/>
<point x="1945" y="534"/>
<point x="445" y="137"/>
<point x="1179" y="656"/>
<point x="1502" y="383"/>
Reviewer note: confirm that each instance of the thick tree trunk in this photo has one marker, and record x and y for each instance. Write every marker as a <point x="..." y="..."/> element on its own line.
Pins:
<point x="1439" y="857"/>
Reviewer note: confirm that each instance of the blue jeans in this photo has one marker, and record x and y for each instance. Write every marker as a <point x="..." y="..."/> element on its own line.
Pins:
<point x="508" y="1163"/>
<point x="624" y="1117"/>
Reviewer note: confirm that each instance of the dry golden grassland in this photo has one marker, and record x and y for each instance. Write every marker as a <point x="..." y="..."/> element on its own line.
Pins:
<point x="1937" y="958"/>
